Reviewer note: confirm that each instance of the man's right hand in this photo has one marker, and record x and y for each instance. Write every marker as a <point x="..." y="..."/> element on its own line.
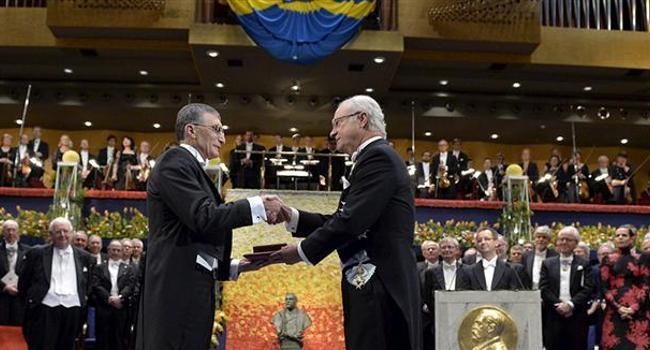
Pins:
<point x="276" y="210"/>
<point x="11" y="289"/>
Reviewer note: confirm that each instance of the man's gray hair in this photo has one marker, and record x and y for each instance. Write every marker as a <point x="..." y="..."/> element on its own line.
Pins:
<point x="9" y="222"/>
<point x="115" y="241"/>
<point x="572" y="231"/>
<point x="191" y="113"/>
<point x="57" y="221"/>
<point x="368" y="105"/>
<point x="451" y="240"/>
<point x="544" y="231"/>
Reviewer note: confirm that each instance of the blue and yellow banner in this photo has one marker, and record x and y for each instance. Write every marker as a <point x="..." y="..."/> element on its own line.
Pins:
<point x="301" y="31"/>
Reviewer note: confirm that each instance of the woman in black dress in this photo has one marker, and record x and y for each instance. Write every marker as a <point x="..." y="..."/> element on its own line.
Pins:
<point x="624" y="280"/>
<point x="7" y="158"/>
<point x="122" y="175"/>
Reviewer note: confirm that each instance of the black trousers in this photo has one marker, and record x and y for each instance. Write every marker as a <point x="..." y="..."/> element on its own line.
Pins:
<point x="111" y="328"/>
<point x="371" y="318"/>
<point x="51" y="328"/>
<point x="562" y="333"/>
<point x="12" y="310"/>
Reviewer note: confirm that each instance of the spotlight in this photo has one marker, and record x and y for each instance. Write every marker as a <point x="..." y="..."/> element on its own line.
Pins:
<point x="225" y="127"/>
<point x="143" y="72"/>
<point x="494" y="136"/>
<point x="624" y="141"/>
<point x="370" y="90"/>
<point x="379" y="59"/>
<point x="296" y="86"/>
<point x="88" y="123"/>
<point x="68" y="70"/>
<point x="516" y="85"/>
<point x="587" y="88"/>
<point x="219" y="85"/>
<point x="603" y="113"/>
<point x="428" y="133"/>
<point x="559" y="138"/>
<point x="293" y="129"/>
<point x="443" y="82"/>
<point x="212" y="53"/>
<point x="19" y="121"/>
<point x="156" y="125"/>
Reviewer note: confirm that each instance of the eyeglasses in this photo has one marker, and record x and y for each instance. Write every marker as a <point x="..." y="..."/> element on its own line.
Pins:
<point x="217" y="129"/>
<point x="336" y="123"/>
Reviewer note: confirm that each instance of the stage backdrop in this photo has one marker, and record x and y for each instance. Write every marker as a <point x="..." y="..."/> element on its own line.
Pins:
<point x="251" y="301"/>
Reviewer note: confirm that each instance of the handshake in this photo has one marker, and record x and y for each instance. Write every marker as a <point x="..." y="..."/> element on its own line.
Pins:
<point x="276" y="211"/>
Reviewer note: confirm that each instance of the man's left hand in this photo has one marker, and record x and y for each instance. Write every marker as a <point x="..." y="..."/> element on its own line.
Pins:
<point x="246" y="265"/>
<point x="288" y="255"/>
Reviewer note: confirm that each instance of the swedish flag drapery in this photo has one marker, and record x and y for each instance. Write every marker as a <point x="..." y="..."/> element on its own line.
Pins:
<point x="301" y="31"/>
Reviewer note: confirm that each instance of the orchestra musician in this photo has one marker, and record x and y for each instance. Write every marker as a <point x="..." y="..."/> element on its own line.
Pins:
<point x="106" y="159"/>
<point x="622" y="184"/>
<point x="530" y="169"/>
<point x="145" y="162"/>
<point x="547" y="186"/>
<point x="7" y="156"/>
<point x="578" y="187"/>
<point x="40" y="148"/>
<point x="461" y="159"/>
<point x="500" y="172"/>
<point x="600" y="181"/>
<point x="126" y="158"/>
<point x="30" y="169"/>
<point x="88" y="173"/>
<point x="65" y="144"/>
<point x="487" y="182"/>
<point x="445" y="171"/>
<point x="424" y="176"/>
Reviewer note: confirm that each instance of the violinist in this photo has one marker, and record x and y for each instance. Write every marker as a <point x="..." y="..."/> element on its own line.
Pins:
<point x="600" y="181"/>
<point x="88" y="173"/>
<point x="547" y="186"/>
<point x="445" y="168"/>
<point x="146" y="162"/>
<point x="30" y="168"/>
<point x="622" y="183"/>
<point x="578" y="187"/>
<point x="7" y="156"/>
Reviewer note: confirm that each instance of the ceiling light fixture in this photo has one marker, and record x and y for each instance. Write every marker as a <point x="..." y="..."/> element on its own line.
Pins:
<point x="379" y="59"/>
<point x="68" y="70"/>
<point x="212" y="53"/>
<point x="516" y="85"/>
<point x="156" y="125"/>
<point x="296" y="86"/>
<point x="494" y="136"/>
<point x="225" y="127"/>
<point x="293" y="129"/>
<point x="587" y="88"/>
<point x="219" y="85"/>
<point x="19" y="121"/>
<point x="88" y="123"/>
<point x="428" y="133"/>
<point x="443" y="82"/>
<point x="624" y="141"/>
<point x="559" y="138"/>
<point x="369" y="90"/>
<point x="144" y="72"/>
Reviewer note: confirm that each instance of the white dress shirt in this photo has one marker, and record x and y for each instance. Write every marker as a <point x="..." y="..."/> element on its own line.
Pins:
<point x="37" y="143"/>
<point x="488" y="271"/>
<point x="443" y="159"/>
<point x="258" y="213"/>
<point x="109" y="154"/>
<point x="426" y="170"/>
<point x="84" y="159"/>
<point x="113" y="271"/>
<point x="278" y="150"/>
<point x="12" y="256"/>
<point x="538" y="259"/>
<point x="309" y="150"/>
<point x="22" y="150"/>
<point x="63" y="280"/>
<point x="249" y="149"/>
<point x="565" y="279"/>
<point x="98" y="257"/>
<point x="449" y="271"/>
<point x="143" y="159"/>
<point x="292" y="224"/>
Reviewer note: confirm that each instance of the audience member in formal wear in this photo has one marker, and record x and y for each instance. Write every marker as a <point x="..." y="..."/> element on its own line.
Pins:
<point x="112" y="287"/>
<point x="95" y="250"/>
<point x="249" y="164"/>
<point x="471" y="256"/>
<point x="566" y="285"/>
<point x="516" y="254"/>
<point x="410" y="157"/>
<point x="235" y="165"/>
<point x="595" y="312"/>
<point x="11" y="256"/>
<point x="424" y="176"/>
<point x="529" y="247"/>
<point x="431" y="255"/>
<point x="127" y="250"/>
<point x="533" y="260"/>
<point x="447" y="275"/>
<point x="7" y="160"/>
<point x="39" y="147"/>
<point x="623" y="189"/>
<point x="582" y="250"/>
<point x="54" y="283"/>
<point x="502" y="248"/>
<point x="491" y="273"/>
<point x="80" y="240"/>
<point x="336" y="164"/>
<point x="444" y="165"/>
<point x="625" y="284"/>
<point x="65" y="144"/>
<point x="462" y="159"/>
<point x="124" y="159"/>
<point x="138" y="251"/>
<point x="645" y="246"/>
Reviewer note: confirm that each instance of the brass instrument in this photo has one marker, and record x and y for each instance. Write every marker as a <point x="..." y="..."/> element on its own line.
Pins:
<point x="443" y="180"/>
